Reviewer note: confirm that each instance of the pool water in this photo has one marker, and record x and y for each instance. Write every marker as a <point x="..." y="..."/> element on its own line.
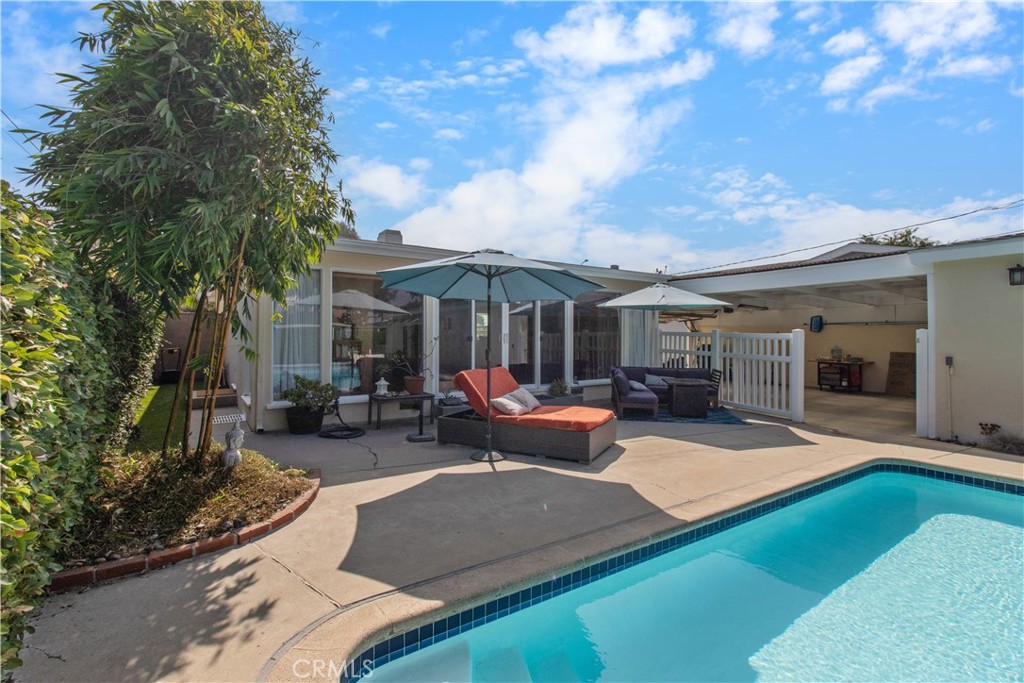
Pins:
<point x="888" y="577"/>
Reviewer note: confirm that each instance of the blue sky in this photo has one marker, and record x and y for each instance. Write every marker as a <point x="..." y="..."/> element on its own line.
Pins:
<point x="678" y="135"/>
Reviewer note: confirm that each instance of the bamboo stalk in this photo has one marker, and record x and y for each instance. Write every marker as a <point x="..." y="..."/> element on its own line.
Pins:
<point x="190" y="346"/>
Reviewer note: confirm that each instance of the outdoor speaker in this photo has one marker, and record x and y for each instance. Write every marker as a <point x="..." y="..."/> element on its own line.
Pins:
<point x="817" y="323"/>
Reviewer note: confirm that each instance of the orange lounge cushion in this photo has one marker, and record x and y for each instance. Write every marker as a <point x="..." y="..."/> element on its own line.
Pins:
<point x="473" y="383"/>
<point x="570" y="418"/>
<point x="567" y="418"/>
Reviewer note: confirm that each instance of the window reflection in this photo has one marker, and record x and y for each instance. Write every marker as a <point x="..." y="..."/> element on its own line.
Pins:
<point x="375" y="332"/>
<point x="595" y="336"/>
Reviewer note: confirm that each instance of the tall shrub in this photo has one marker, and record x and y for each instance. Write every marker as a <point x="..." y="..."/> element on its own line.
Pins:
<point x="194" y="156"/>
<point x="69" y="390"/>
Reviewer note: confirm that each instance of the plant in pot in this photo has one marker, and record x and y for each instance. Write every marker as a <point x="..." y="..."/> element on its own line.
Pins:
<point x="402" y="372"/>
<point x="310" y="401"/>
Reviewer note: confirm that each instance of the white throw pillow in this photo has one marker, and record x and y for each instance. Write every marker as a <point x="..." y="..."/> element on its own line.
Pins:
<point x="508" y="405"/>
<point x="654" y="381"/>
<point x="526" y="398"/>
<point x="637" y="386"/>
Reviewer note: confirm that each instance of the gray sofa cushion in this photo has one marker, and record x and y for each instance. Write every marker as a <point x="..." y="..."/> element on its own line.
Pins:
<point x="620" y="381"/>
<point x="641" y="397"/>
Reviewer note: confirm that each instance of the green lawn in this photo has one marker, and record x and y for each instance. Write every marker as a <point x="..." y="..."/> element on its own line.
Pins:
<point x="152" y="419"/>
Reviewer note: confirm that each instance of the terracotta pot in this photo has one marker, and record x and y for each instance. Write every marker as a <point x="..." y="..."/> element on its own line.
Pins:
<point x="414" y="384"/>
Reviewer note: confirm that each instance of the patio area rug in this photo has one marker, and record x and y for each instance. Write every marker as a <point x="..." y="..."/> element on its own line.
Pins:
<point x="715" y="417"/>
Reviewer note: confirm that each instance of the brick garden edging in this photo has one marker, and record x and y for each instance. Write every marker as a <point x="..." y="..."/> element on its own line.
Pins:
<point x="85" y="576"/>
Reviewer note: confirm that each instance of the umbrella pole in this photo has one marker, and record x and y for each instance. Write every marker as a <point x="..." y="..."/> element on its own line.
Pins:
<point x="488" y="455"/>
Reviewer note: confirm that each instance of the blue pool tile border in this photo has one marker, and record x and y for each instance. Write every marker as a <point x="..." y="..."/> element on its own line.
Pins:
<point x="444" y="628"/>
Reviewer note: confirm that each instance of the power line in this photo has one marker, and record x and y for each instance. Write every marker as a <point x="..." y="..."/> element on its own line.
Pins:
<point x="912" y="226"/>
<point x="11" y="135"/>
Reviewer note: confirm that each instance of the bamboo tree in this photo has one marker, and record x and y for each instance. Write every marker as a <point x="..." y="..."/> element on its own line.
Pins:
<point x="194" y="153"/>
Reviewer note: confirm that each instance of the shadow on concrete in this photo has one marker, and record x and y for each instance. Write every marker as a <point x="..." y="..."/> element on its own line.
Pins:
<point x="118" y="632"/>
<point x="456" y="522"/>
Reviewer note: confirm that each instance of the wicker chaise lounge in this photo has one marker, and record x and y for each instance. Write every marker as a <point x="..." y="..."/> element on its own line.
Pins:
<point x="577" y="433"/>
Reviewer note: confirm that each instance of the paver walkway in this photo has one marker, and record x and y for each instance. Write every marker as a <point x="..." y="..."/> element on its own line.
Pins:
<point x="400" y="529"/>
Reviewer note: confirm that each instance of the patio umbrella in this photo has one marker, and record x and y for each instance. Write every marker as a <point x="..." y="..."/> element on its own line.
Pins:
<point x="489" y="275"/>
<point x="662" y="297"/>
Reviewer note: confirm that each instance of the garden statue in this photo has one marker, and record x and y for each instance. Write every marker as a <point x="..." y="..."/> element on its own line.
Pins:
<point x="233" y="439"/>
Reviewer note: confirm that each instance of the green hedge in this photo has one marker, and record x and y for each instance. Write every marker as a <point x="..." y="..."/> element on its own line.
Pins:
<point x="75" y="357"/>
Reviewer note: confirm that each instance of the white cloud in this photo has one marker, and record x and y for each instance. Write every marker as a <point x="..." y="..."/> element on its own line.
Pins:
<point x="420" y="164"/>
<point x="848" y="75"/>
<point x="777" y="221"/>
<point x="593" y="36"/>
<point x="386" y="125"/>
<point x="889" y="91"/>
<point x="36" y="61"/>
<point x="596" y="131"/>
<point x="982" y="126"/>
<point x="284" y="12"/>
<point x="447" y="134"/>
<point x="838" y="104"/>
<point x="381" y="182"/>
<point x="381" y="30"/>
<point x="974" y="65"/>
<point x="847" y="43"/>
<point x="746" y="27"/>
<point x="921" y="28"/>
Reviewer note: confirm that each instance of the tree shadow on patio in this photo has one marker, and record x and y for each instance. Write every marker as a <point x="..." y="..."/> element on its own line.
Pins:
<point x="455" y="522"/>
<point x="150" y="627"/>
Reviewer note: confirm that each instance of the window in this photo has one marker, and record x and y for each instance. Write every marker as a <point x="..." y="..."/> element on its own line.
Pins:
<point x="596" y="336"/>
<point x="296" y="335"/>
<point x="453" y="340"/>
<point x="522" y="349"/>
<point x="552" y="341"/>
<point x="373" y="329"/>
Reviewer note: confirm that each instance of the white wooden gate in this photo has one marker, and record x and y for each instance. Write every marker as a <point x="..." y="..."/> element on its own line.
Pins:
<point x="763" y="373"/>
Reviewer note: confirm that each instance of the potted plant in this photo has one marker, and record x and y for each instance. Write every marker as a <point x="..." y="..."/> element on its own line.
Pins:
<point x="310" y="401"/>
<point x="402" y="373"/>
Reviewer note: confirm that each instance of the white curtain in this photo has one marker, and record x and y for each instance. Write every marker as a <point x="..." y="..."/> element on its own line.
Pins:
<point x="296" y="335"/>
<point x="640" y="342"/>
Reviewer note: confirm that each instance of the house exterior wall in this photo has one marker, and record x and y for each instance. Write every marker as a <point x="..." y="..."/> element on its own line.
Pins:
<point x="363" y="257"/>
<point x="979" y="320"/>
<point x="873" y="340"/>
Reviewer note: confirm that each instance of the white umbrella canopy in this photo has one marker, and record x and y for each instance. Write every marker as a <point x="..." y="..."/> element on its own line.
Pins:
<point x="352" y="298"/>
<point x="662" y="297"/>
<point x="489" y="275"/>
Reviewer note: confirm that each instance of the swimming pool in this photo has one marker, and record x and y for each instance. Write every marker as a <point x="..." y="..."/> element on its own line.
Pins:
<point x="890" y="572"/>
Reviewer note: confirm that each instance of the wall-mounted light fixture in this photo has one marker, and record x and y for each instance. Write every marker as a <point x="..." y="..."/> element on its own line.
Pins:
<point x="1016" y="275"/>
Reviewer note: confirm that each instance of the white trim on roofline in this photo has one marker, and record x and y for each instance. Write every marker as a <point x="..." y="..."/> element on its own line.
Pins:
<point x="1012" y="245"/>
<point x="420" y="253"/>
<point x="880" y="268"/>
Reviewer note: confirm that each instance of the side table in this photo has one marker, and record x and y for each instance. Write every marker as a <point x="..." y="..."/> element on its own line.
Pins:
<point x="379" y="401"/>
<point x="687" y="397"/>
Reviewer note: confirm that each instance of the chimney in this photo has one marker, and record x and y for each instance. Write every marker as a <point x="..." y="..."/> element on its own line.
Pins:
<point x="614" y="266"/>
<point x="390" y="236"/>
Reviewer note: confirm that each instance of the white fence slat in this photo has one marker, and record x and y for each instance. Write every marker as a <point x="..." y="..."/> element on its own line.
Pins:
<point x="760" y="372"/>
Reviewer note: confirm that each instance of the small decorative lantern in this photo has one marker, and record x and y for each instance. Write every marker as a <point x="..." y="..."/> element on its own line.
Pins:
<point x="1016" y="275"/>
<point x="382" y="387"/>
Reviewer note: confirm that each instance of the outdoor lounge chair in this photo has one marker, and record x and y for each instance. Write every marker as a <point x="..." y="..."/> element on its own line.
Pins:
<point x="577" y="433"/>
<point x="627" y="395"/>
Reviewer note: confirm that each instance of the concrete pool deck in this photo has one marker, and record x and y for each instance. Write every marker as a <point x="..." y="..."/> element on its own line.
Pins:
<point x="409" y="531"/>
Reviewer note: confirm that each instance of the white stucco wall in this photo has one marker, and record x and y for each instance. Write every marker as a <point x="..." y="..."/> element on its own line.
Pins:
<point x="872" y="338"/>
<point x="979" y="320"/>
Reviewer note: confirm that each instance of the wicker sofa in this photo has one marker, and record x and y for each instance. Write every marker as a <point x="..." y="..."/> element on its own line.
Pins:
<point x="577" y="433"/>
<point x="639" y="374"/>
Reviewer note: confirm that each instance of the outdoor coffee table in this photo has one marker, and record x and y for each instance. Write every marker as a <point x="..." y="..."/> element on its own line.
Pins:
<point x="380" y="399"/>
<point x="687" y="397"/>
